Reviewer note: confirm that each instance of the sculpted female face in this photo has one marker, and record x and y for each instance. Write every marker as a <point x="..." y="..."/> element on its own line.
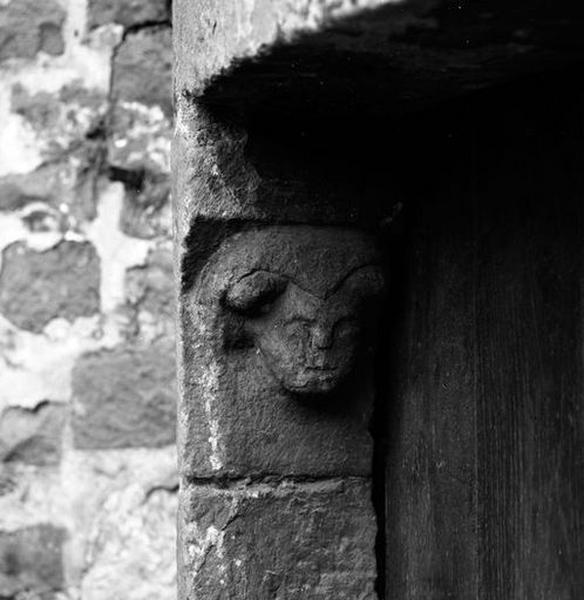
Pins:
<point x="304" y="298"/>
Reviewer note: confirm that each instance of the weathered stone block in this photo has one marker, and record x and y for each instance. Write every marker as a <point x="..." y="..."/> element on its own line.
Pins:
<point x="142" y="69"/>
<point x="68" y="126"/>
<point x="127" y="12"/>
<point x="151" y="286"/>
<point x="67" y="189"/>
<point x="28" y="27"/>
<point x="41" y="109"/>
<point x="32" y="436"/>
<point x="138" y="147"/>
<point x="277" y="346"/>
<point x="74" y="110"/>
<point x="125" y="397"/>
<point x="134" y="556"/>
<point x="36" y="287"/>
<point x="8" y="479"/>
<point x="31" y="562"/>
<point x="146" y="210"/>
<point x="14" y="196"/>
<point x="295" y="541"/>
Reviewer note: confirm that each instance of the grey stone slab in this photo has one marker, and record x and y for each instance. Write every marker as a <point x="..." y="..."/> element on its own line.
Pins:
<point x="125" y="397"/>
<point x="130" y="13"/>
<point x="31" y="562"/>
<point x="32" y="436"/>
<point x="36" y="287"/>
<point x="28" y="27"/>
<point x="142" y="70"/>
<point x="311" y="541"/>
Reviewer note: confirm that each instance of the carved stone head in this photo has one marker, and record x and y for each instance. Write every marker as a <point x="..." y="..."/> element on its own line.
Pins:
<point x="305" y="299"/>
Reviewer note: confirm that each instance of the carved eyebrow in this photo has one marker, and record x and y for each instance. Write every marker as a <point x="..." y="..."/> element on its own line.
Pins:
<point x="348" y="276"/>
<point x="335" y="288"/>
<point x="248" y="292"/>
<point x="277" y="274"/>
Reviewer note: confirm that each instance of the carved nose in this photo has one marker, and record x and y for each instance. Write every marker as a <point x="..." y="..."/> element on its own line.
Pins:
<point x="321" y="337"/>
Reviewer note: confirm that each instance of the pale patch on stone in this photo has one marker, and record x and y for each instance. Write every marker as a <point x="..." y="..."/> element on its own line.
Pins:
<point x="37" y="367"/>
<point x="12" y="230"/>
<point x="19" y="152"/>
<point x="37" y="498"/>
<point x="132" y="558"/>
<point x="309" y="15"/>
<point x="201" y="541"/>
<point x="89" y="64"/>
<point x="123" y="522"/>
<point x="93" y="480"/>
<point x="212" y="538"/>
<point x="75" y="26"/>
<point x="152" y="327"/>
<point x="147" y="140"/>
<point x="209" y="387"/>
<point x="118" y="252"/>
<point x="158" y="151"/>
<point x="119" y="507"/>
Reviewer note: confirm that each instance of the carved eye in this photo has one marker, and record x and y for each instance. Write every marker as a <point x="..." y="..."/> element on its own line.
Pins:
<point x="254" y="294"/>
<point x="366" y="283"/>
<point x="347" y="328"/>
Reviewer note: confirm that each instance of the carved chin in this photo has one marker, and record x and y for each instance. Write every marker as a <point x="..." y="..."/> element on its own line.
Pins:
<point x="305" y="380"/>
<point x="312" y="381"/>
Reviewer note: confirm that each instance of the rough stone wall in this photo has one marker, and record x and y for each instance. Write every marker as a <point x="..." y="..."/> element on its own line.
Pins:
<point x="87" y="392"/>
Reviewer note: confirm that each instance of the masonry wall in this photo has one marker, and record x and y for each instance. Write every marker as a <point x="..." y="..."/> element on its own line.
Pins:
<point x="87" y="394"/>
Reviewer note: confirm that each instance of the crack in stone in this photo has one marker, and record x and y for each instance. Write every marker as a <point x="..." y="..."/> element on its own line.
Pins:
<point x="270" y="482"/>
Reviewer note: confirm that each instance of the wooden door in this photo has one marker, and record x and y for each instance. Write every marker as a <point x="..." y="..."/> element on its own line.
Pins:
<point x="484" y="437"/>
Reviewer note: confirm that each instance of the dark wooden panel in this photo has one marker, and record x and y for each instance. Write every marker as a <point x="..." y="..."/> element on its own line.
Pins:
<point x="530" y="495"/>
<point x="485" y="447"/>
<point x="431" y="541"/>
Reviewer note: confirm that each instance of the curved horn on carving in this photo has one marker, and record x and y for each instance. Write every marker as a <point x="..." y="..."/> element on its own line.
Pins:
<point x="255" y="292"/>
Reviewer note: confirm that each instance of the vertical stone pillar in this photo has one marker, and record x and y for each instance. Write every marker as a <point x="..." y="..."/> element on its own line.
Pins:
<point x="279" y="290"/>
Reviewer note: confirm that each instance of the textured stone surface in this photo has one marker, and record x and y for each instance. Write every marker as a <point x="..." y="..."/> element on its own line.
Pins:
<point x="151" y="287"/>
<point x="74" y="110"/>
<point x="223" y="32"/>
<point x="31" y="562"/>
<point x="67" y="126"/>
<point x="28" y="27"/>
<point x="64" y="254"/>
<point x="134" y="555"/>
<point x="36" y="287"/>
<point x="125" y="397"/>
<point x="139" y="145"/>
<point x="294" y="541"/>
<point x="146" y="212"/>
<point x="32" y="436"/>
<point x="127" y="12"/>
<point x="119" y="508"/>
<point x="278" y="379"/>
<point x="15" y="193"/>
<point x="64" y="191"/>
<point x="143" y="69"/>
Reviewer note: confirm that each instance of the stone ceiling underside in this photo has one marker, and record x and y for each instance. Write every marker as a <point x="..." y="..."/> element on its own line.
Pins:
<point x="382" y="60"/>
